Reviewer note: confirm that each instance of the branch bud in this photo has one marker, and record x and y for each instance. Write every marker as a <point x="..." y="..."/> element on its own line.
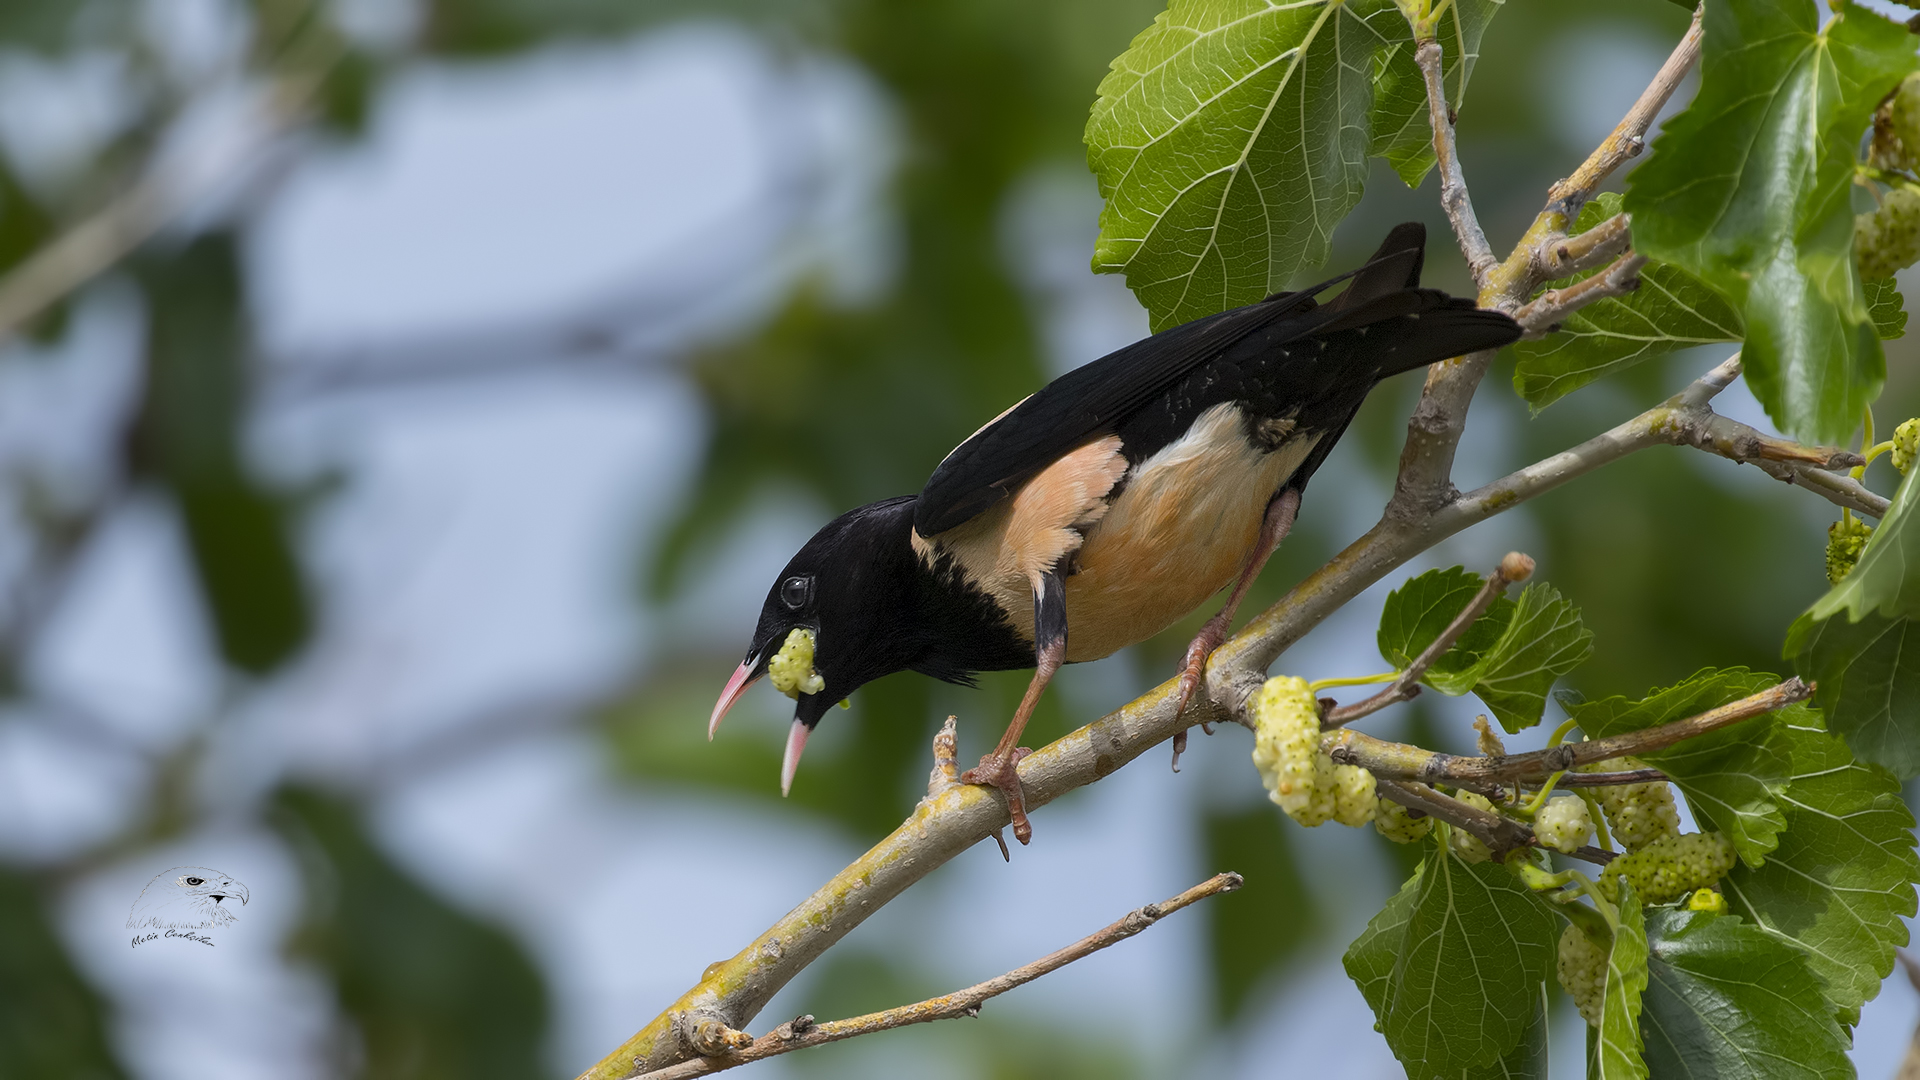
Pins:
<point x="1516" y="568"/>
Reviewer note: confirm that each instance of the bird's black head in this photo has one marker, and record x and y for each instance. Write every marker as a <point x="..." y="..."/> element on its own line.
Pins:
<point x="850" y="588"/>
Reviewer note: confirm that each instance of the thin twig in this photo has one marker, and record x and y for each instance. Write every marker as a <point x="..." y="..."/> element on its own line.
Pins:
<point x="1399" y="761"/>
<point x="1569" y="255"/>
<point x="137" y="214"/>
<point x="1524" y="268"/>
<point x="1453" y="183"/>
<point x="1500" y="833"/>
<point x="1612" y="779"/>
<point x="1628" y="137"/>
<point x="727" y="1048"/>
<point x="1545" y="312"/>
<point x="1512" y="570"/>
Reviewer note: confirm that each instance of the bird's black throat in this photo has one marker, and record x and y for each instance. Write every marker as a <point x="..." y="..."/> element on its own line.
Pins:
<point x="898" y="613"/>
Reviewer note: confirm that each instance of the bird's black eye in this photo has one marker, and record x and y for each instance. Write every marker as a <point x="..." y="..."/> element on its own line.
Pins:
<point x="196" y="881"/>
<point x="796" y="591"/>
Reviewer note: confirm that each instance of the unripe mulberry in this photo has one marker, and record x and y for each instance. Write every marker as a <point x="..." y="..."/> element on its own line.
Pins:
<point x="1846" y="539"/>
<point x="1671" y="867"/>
<point x="1286" y="740"/>
<point x="1466" y="845"/>
<point x="1896" y="128"/>
<point x="1906" y="441"/>
<point x="1563" y="825"/>
<point x="1354" y="799"/>
<point x="791" y="669"/>
<point x="1398" y="824"/>
<point x="1582" y="969"/>
<point x="1888" y="239"/>
<point x="1638" y="814"/>
<point x="1300" y="776"/>
<point x="1707" y="900"/>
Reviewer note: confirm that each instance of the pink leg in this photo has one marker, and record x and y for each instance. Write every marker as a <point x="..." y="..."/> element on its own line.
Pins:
<point x="1000" y="769"/>
<point x="1193" y="670"/>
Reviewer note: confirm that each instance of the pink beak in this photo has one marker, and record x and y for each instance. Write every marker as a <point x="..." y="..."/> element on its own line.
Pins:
<point x="796" y="742"/>
<point x="742" y="678"/>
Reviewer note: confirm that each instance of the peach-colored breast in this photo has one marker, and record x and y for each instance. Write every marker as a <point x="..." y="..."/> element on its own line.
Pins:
<point x="1179" y="532"/>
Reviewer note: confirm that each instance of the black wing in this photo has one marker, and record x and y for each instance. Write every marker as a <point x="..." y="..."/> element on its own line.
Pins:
<point x="1093" y="400"/>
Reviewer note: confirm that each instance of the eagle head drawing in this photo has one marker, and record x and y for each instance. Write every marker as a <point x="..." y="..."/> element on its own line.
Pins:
<point x="187" y="898"/>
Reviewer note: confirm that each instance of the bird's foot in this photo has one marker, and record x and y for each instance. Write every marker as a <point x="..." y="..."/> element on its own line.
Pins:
<point x="1002" y="773"/>
<point x="1193" y="673"/>
<point x="1193" y="670"/>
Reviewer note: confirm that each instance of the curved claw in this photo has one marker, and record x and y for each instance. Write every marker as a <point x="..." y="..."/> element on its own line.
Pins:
<point x="1003" y="775"/>
<point x="1193" y="668"/>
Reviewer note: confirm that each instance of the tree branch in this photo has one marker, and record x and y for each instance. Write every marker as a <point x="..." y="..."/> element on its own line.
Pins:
<point x="135" y="215"/>
<point x="1512" y="570"/>
<point x="1500" y="833"/>
<point x="1612" y="779"/>
<point x="1545" y="312"/>
<point x="1453" y="182"/>
<point x="1529" y="264"/>
<point x="1399" y="761"/>
<point x="1585" y="251"/>
<point x="1628" y="138"/>
<point x="728" y="1048"/>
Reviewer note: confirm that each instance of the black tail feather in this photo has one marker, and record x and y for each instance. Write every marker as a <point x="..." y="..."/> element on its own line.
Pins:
<point x="1394" y="267"/>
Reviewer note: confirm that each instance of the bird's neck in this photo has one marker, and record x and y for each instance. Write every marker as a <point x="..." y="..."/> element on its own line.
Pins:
<point x="947" y="627"/>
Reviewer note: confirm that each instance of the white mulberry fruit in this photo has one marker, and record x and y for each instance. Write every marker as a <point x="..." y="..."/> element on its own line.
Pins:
<point x="1888" y="239"/>
<point x="1638" y="814"/>
<point x="1466" y="845"/>
<point x="1582" y="970"/>
<point x="1671" y="867"/>
<point x="1300" y="776"/>
<point x="1398" y="824"/>
<point x="1563" y="825"/>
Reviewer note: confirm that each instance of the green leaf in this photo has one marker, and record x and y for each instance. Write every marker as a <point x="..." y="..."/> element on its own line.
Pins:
<point x="1724" y="999"/>
<point x="1672" y="309"/>
<point x="1749" y="188"/>
<point x="1544" y="640"/>
<point x="1401" y="128"/>
<point x="1510" y="656"/>
<point x="1885" y="308"/>
<point x="1886" y="580"/>
<point x="1617" y="1056"/>
<point x="1228" y="140"/>
<point x="1416" y="613"/>
<point x="1842" y="878"/>
<point x="1370" y="962"/>
<point x="1529" y="1058"/>
<point x="1371" y="958"/>
<point x="1469" y="961"/>
<point x="1270" y="919"/>
<point x="189" y="439"/>
<point x="432" y="990"/>
<point x="1867" y="682"/>
<point x="1733" y="778"/>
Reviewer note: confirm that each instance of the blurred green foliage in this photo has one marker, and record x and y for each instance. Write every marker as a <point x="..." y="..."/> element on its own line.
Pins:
<point x="1255" y="931"/>
<point x="52" y="1024"/>
<point x="187" y="438"/>
<point x="434" y="993"/>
